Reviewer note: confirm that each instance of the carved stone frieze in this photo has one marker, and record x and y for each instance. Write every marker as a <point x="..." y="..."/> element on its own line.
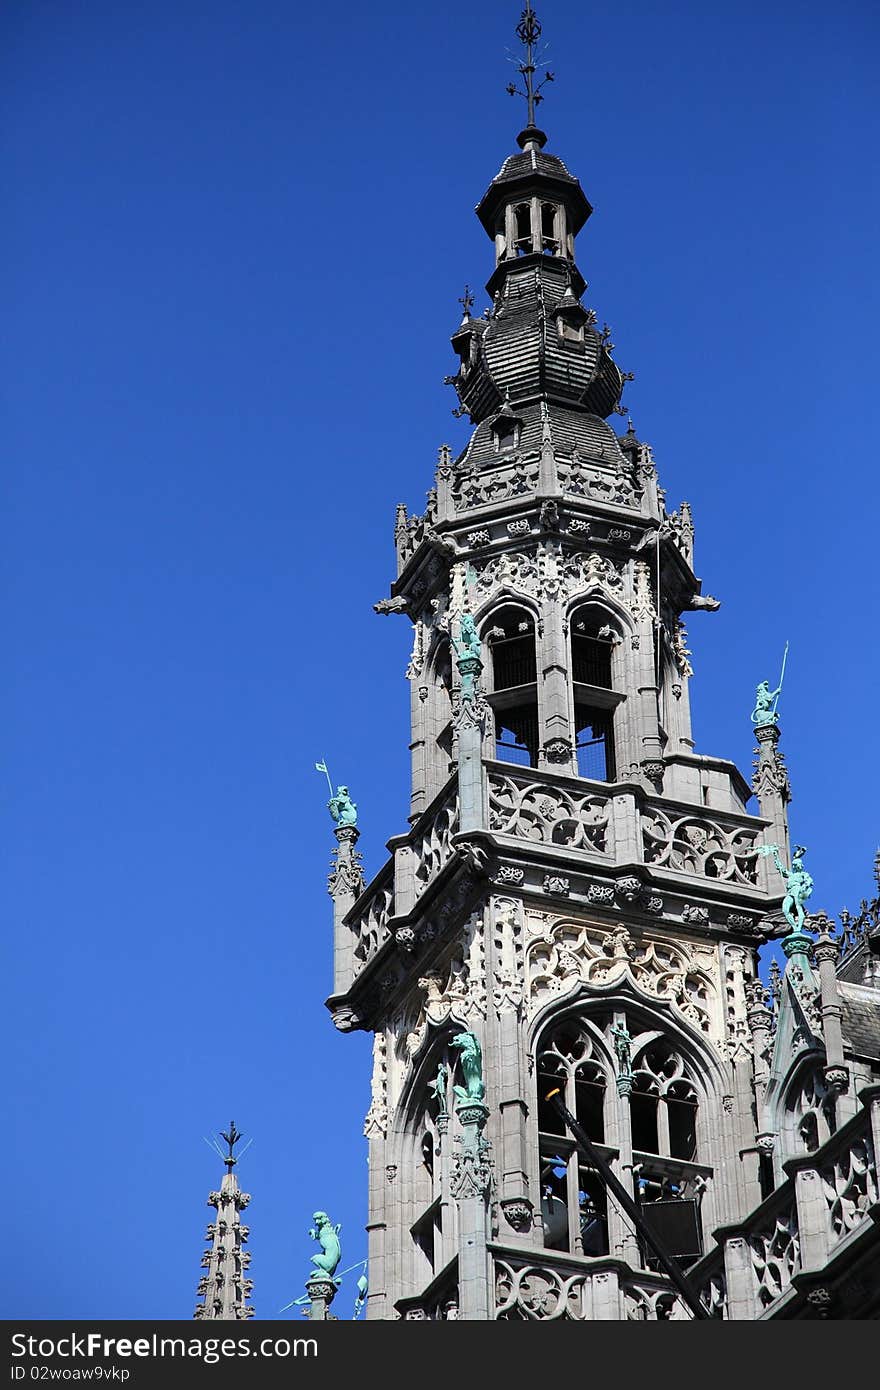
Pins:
<point x="376" y="1122"/>
<point x="562" y="954"/>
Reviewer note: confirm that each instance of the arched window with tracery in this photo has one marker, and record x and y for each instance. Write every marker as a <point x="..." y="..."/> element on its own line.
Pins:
<point x="573" y="1057"/>
<point x="648" y="1107"/>
<point x="809" y="1116"/>
<point x="509" y="635"/>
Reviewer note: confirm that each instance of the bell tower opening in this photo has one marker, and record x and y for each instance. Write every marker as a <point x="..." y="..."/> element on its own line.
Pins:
<point x="510" y="639"/>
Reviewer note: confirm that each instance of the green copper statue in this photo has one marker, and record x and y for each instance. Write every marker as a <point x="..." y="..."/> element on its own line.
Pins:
<point x="342" y="808"/>
<point x="798" y="884"/>
<point x="766" y="700"/>
<point x="327" y="1236"/>
<point x="474" y="1088"/>
<point x="468" y="650"/>
<point x="468" y="646"/>
<point x="765" y="711"/>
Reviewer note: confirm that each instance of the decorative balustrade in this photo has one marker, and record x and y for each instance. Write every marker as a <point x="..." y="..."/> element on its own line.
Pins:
<point x="700" y="844"/>
<point x="614" y="482"/>
<point x="545" y="1287"/>
<point x="799" y="1230"/>
<point x="543" y="811"/>
<point x="370" y="923"/>
<point x="433" y="845"/>
<point x="594" y="816"/>
<point x="429" y="847"/>
<point x="518" y="478"/>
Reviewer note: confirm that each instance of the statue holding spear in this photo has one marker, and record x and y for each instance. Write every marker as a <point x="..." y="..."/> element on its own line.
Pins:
<point x="767" y="700"/>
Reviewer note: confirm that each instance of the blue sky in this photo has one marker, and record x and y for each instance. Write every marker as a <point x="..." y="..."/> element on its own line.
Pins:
<point x="231" y="258"/>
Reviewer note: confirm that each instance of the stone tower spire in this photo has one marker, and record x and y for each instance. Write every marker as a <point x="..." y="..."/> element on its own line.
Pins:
<point x="577" y="903"/>
<point x="224" y="1288"/>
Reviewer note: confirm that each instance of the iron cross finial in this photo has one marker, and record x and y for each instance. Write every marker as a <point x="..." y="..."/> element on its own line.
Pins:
<point x="232" y="1139"/>
<point x="529" y="32"/>
<point x="466" y="301"/>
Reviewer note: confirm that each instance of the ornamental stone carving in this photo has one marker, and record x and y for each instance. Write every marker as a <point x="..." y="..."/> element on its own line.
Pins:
<point x="376" y="1122"/>
<point x="556" y="884"/>
<point x="509" y="873"/>
<point x="518" y="1214"/>
<point x="548" y="814"/>
<point x="561" y="955"/>
<point x="698" y="845"/>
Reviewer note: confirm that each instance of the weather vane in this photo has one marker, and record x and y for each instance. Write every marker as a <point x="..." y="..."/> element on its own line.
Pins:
<point x="232" y="1139"/>
<point x="529" y="32"/>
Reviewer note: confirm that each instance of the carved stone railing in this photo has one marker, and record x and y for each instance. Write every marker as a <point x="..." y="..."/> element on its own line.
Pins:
<point x="432" y="844"/>
<point x="371" y="913"/>
<point x="418" y="859"/>
<point x="544" y="1286"/>
<point x="765" y="1266"/>
<point x="516" y="478"/>
<point x="711" y="845"/>
<point x="612" y="482"/>
<point x="602" y="819"/>
<point x="539" y="808"/>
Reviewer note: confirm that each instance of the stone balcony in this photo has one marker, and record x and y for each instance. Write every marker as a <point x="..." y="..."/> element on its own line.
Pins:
<point x="815" y="1232"/>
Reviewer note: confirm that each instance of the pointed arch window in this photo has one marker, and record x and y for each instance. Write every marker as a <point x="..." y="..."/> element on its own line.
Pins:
<point x="573" y="1201"/>
<point x="593" y="642"/>
<point x="657" y="1120"/>
<point x="522" y="224"/>
<point x="549" y="238"/>
<point x="510" y="640"/>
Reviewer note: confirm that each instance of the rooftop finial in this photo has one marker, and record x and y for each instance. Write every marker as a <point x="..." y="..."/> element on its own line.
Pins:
<point x="529" y="32"/>
<point x="232" y="1139"/>
<point x="466" y="301"/>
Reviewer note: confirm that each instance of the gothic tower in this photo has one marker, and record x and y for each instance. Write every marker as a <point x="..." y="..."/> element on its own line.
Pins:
<point x="224" y="1289"/>
<point x="579" y="898"/>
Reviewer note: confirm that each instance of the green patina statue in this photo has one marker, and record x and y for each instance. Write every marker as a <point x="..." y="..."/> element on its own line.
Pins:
<point x="765" y="711"/>
<point x="469" y="646"/>
<point x="798" y="884"/>
<point x="327" y="1236"/>
<point x="766" y="700"/>
<point x="468" y="651"/>
<point x="342" y="808"/>
<point x="474" y="1088"/>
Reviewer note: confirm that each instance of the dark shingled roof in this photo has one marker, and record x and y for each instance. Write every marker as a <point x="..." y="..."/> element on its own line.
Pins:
<point x="569" y="430"/>
<point x="530" y="161"/>
<point x="860" y="1019"/>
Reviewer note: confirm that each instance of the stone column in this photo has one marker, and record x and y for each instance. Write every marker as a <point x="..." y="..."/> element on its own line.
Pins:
<point x="812" y="1213"/>
<point x="321" y="1292"/>
<point x="345" y="886"/>
<point x="556" y="742"/>
<point x="771" y="786"/>
<point x="470" y="725"/>
<point x="836" y="1073"/>
<point x="470" y="1187"/>
<point x="742" y="1302"/>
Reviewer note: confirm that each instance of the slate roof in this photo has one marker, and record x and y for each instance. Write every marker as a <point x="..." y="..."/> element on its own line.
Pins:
<point x="860" y="1020"/>
<point x="569" y="430"/>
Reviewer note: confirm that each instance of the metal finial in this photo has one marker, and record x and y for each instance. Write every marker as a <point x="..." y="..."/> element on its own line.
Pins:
<point x="529" y="32"/>
<point x="232" y="1139"/>
<point x="466" y="301"/>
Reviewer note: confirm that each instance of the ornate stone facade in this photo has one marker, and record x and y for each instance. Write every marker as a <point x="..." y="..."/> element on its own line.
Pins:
<point x="579" y="894"/>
